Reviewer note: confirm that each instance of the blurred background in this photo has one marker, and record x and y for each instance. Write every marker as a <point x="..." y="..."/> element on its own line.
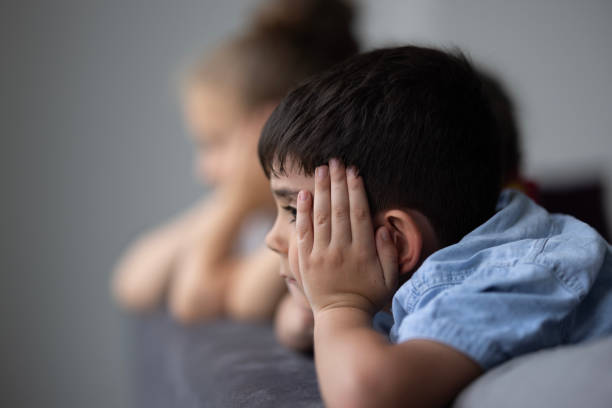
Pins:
<point x="94" y="151"/>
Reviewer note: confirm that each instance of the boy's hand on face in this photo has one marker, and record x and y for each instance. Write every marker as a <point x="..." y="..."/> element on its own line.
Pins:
<point x="342" y="262"/>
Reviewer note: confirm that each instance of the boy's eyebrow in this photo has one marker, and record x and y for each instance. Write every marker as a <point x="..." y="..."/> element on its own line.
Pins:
<point x="285" y="193"/>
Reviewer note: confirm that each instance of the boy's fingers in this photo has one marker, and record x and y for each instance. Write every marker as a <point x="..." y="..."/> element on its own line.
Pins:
<point x="303" y="224"/>
<point x="322" y="208"/>
<point x="387" y="256"/>
<point x="361" y="220"/>
<point x="340" y="210"/>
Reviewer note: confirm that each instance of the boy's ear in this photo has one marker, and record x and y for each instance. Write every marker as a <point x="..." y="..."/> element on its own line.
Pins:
<point x="407" y="237"/>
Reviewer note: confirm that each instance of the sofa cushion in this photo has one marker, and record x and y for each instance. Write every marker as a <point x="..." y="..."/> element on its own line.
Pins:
<point x="221" y="364"/>
<point x="228" y="364"/>
<point x="570" y="376"/>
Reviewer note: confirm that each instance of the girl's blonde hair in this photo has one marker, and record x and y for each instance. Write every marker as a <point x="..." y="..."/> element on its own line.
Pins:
<point x="285" y="42"/>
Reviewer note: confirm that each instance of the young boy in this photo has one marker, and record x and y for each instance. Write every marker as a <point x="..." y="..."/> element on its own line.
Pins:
<point x="416" y="224"/>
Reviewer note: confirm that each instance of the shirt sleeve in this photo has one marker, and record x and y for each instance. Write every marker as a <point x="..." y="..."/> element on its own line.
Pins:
<point x="493" y="315"/>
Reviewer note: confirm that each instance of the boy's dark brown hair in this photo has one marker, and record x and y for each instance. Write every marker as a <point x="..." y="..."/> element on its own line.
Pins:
<point x="502" y="106"/>
<point x="413" y="120"/>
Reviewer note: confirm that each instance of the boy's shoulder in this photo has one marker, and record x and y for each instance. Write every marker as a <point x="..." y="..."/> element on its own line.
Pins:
<point x="520" y="269"/>
<point x="521" y="234"/>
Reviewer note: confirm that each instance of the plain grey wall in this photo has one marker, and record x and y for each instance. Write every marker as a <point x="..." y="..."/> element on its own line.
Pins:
<point x="93" y="150"/>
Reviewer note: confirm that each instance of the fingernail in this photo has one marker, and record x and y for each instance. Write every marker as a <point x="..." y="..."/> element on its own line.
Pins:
<point x="334" y="163"/>
<point x="321" y="172"/>
<point x="352" y="171"/>
<point x="302" y="196"/>
<point x="384" y="234"/>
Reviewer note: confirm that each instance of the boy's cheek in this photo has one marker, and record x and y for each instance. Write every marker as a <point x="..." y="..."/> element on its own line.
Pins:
<point x="298" y="295"/>
<point x="293" y="257"/>
<point x="295" y="287"/>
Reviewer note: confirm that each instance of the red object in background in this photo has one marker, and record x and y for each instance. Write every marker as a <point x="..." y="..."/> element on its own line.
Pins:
<point x="584" y="200"/>
<point x="528" y="187"/>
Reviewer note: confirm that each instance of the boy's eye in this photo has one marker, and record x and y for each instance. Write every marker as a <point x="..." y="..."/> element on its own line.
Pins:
<point x="292" y="211"/>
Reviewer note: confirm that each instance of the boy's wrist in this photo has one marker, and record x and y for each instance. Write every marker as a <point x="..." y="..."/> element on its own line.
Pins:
<point x="343" y="316"/>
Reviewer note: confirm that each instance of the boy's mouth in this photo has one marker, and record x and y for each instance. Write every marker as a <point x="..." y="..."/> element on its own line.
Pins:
<point x="289" y="280"/>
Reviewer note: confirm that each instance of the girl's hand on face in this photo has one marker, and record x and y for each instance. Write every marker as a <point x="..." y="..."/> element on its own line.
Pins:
<point x="342" y="262"/>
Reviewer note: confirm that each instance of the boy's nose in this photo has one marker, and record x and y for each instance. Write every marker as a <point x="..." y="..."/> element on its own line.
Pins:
<point x="275" y="243"/>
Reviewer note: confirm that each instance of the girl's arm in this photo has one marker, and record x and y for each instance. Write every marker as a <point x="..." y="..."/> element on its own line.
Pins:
<point x="140" y="279"/>
<point x="211" y="279"/>
<point x="256" y="287"/>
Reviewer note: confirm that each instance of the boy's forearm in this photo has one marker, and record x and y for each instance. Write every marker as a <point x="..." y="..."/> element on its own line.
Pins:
<point x="358" y="367"/>
<point x="348" y="359"/>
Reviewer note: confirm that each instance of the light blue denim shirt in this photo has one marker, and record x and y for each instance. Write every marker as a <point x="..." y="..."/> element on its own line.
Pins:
<point x="522" y="281"/>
